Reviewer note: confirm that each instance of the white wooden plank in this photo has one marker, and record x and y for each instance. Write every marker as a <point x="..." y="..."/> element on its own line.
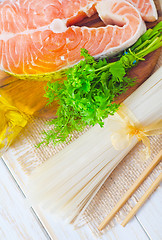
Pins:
<point x="58" y="230"/>
<point x="16" y="220"/>
<point x="150" y="215"/>
<point x="66" y="232"/>
<point x="133" y="232"/>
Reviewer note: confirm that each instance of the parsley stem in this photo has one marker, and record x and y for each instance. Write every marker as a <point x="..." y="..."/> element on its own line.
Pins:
<point x="104" y="67"/>
<point x="141" y="46"/>
<point x="150" y="48"/>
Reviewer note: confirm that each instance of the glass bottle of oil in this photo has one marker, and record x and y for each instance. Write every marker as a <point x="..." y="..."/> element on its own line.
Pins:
<point x="27" y="96"/>
<point x="11" y="123"/>
<point x="18" y="100"/>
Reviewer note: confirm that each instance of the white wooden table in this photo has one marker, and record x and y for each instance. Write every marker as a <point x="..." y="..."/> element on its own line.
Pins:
<point x="18" y="221"/>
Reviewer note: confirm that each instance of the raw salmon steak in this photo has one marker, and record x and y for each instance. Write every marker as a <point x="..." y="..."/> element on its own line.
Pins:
<point x="38" y="37"/>
<point x="146" y="8"/>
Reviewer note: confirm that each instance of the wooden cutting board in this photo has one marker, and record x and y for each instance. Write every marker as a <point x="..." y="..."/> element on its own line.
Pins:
<point x="28" y="95"/>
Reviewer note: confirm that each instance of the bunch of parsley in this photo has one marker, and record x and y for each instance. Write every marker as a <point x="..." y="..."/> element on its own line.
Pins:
<point x="86" y="96"/>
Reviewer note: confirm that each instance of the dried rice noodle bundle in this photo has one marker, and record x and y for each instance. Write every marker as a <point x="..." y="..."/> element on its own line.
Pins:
<point x="65" y="184"/>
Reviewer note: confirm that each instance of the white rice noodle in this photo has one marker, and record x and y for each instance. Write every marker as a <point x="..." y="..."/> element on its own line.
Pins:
<point x="65" y="184"/>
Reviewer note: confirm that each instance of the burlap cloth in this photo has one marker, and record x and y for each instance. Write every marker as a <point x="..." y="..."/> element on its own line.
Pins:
<point x="30" y="157"/>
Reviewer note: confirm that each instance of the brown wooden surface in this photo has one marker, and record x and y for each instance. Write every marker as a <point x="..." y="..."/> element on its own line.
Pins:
<point x="28" y="96"/>
<point x="141" y="72"/>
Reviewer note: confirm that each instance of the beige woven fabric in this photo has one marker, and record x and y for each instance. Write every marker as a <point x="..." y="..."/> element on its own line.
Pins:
<point x="30" y="157"/>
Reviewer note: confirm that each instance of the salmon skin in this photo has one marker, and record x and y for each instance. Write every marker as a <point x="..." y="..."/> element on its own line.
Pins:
<point x="39" y="37"/>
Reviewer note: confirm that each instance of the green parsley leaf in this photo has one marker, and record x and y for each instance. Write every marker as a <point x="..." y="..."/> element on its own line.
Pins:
<point x="117" y="70"/>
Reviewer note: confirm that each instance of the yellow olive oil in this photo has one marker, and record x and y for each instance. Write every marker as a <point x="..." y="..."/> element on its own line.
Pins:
<point x="11" y="123"/>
